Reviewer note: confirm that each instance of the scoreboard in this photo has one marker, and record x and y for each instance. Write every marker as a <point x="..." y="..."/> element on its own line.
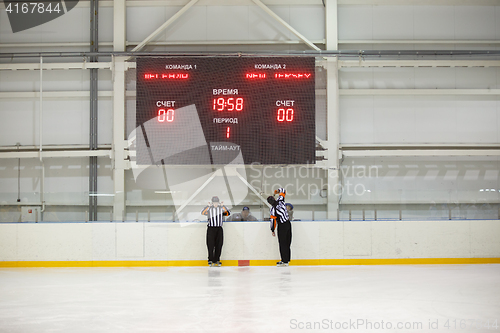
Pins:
<point x="222" y="110"/>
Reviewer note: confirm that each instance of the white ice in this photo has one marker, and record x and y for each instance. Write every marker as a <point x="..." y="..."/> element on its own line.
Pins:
<point x="419" y="298"/>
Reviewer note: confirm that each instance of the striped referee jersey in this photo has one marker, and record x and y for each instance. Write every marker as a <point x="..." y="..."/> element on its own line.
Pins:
<point x="215" y="215"/>
<point x="278" y="212"/>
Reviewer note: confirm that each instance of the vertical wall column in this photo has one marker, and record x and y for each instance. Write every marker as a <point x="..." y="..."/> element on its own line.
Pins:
<point x="94" y="8"/>
<point x="331" y="25"/>
<point x="119" y="143"/>
<point x="119" y="165"/>
<point x="333" y="132"/>
<point x="333" y="113"/>
<point x="119" y="26"/>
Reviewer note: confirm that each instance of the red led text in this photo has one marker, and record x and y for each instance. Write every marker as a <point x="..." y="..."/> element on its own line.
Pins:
<point x="229" y="104"/>
<point x="292" y="75"/>
<point x="285" y="115"/>
<point x="256" y="75"/>
<point x="166" y="76"/>
<point x="167" y="115"/>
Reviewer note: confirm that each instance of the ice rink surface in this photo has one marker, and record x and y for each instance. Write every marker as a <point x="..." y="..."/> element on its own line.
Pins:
<point x="399" y="298"/>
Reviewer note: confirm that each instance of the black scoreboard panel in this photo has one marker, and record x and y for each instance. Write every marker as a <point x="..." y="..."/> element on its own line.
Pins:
<point x="210" y="110"/>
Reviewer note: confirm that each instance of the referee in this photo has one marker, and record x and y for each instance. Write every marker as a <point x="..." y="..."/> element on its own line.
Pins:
<point x="215" y="236"/>
<point x="279" y="218"/>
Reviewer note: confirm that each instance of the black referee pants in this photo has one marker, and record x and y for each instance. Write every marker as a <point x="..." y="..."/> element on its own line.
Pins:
<point x="285" y="240"/>
<point x="215" y="239"/>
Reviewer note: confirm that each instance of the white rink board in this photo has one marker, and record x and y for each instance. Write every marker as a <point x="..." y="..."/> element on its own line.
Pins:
<point x="249" y="240"/>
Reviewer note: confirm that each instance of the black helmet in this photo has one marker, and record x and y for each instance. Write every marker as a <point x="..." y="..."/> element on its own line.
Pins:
<point x="215" y="199"/>
<point x="271" y="200"/>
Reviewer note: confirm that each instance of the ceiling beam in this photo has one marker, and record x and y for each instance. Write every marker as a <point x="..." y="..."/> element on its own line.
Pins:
<point x="418" y="152"/>
<point x="161" y="3"/>
<point x="164" y="25"/>
<point x="418" y="63"/>
<point x="178" y="3"/>
<point x="419" y="92"/>
<point x="55" y="154"/>
<point x="419" y="41"/>
<point x="286" y="25"/>
<point x="421" y="2"/>
<point x="55" y="66"/>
